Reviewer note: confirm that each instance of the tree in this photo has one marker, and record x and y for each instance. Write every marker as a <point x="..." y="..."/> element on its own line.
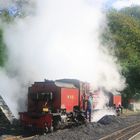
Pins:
<point x="2" y="50"/>
<point x="124" y="30"/>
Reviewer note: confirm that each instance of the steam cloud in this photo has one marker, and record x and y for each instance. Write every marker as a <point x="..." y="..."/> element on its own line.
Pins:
<point x="60" y="40"/>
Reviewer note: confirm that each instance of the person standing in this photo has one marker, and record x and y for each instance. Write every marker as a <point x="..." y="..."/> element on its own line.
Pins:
<point x="89" y="107"/>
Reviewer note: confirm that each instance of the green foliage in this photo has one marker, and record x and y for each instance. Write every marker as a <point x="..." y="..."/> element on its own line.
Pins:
<point x="124" y="30"/>
<point x="5" y="17"/>
<point x="133" y="11"/>
<point x="2" y="50"/>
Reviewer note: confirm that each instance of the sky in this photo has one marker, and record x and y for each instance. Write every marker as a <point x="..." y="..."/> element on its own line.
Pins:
<point x="109" y="3"/>
<point x="118" y="4"/>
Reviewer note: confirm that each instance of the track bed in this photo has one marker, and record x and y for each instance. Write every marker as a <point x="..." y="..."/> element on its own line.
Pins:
<point x="91" y="131"/>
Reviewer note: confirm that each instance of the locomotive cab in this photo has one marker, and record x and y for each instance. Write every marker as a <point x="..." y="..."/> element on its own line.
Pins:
<point x="40" y="102"/>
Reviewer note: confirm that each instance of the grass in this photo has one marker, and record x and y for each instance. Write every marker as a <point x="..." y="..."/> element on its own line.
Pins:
<point x="127" y="112"/>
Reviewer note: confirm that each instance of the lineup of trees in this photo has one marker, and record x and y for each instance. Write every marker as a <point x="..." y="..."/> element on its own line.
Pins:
<point x="4" y="17"/>
<point x="2" y="50"/>
<point x="124" y="31"/>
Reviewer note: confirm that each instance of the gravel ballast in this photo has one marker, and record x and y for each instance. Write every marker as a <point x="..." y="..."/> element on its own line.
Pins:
<point x="90" y="131"/>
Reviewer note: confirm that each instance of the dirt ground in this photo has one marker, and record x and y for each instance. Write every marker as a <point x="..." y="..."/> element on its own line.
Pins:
<point x="90" y="131"/>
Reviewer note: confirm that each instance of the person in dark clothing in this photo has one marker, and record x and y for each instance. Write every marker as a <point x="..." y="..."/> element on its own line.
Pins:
<point x="118" y="111"/>
<point x="114" y="106"/>
<point x="121" y="108"/>
<point x="89" y="108"/>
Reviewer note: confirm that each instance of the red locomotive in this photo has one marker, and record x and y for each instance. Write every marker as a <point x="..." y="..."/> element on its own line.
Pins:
<point x="53" y="104"/>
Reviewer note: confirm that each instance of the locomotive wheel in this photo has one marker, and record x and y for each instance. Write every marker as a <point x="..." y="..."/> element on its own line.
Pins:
<point x="57" y="125"/>
<point x="51" y="129"/>
<point x="46" y="130"/>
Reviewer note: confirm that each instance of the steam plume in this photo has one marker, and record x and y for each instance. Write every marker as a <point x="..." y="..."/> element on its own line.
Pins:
<point x="59" y="40"/>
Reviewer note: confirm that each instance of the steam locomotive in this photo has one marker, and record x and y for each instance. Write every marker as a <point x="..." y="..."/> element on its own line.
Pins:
<point x="56" y="104"/>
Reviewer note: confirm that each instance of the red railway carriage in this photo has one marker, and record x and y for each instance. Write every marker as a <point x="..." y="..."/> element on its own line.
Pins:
<point x="53" y="102"/>
<point x="117" y="100"/>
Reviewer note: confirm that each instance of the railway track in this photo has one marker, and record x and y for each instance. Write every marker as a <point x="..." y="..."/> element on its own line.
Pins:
<point x="18" y="138"/>
<point x="123" y="134"/>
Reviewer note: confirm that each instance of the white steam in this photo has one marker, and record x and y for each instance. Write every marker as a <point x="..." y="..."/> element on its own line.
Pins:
<point x="102" y="108"/>
<point x="60" y="40"/>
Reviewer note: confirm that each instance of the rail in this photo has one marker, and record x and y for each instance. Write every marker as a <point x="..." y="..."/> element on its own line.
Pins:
<point x="123" y="134"/>
<point x="18" y="138"/>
